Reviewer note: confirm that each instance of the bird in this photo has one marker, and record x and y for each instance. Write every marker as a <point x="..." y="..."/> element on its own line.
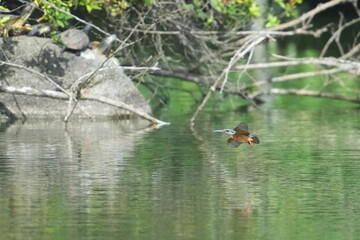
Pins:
<point x="104" y="46"/>
<point x="40" y="29"/>
<point x="240" y="134"/>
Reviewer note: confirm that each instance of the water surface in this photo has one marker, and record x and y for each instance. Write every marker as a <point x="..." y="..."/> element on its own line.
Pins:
<point x="124" y="180"/>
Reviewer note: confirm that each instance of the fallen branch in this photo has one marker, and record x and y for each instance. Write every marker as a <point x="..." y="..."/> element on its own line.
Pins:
<point x="343" y="65"/>
<point x="79" y="84"/>
<point x="28" y="91"/>
<point x="185" y="76"/>
<point x="352" y="52"/>
<point x="197" y="79"/>
<point x="125" y="106"/>
<point x="36" y="73"/>
<point x="217" y="33"/>
<point x="304" y="75"/>
<point x="303" y="92"/>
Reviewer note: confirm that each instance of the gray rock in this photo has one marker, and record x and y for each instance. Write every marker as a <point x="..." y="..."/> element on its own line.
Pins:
<point x="41" y="55"/>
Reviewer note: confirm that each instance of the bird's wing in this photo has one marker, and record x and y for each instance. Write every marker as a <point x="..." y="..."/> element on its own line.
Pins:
<point x="242" y="129"/>
<point x="233" y="143"/>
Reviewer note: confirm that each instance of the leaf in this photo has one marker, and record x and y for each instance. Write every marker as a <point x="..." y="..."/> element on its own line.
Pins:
<point x="123" y="4"/>
<point x="61" y="24"/>
<point x="254" y="9"/>
<point x="272" y="21"/>
<point x="201" y="14"/>
<point x="4" y="9"/>
<point x="88" y="8"/>
<point x="281" y="3"/>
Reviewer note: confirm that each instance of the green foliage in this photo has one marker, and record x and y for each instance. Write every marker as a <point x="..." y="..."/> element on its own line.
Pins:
<point x="227" y="12"/>
<point x="149" y="2"/>
<point x="3" y="19"/>
<point x="254" y="9"/>
<point x="91" y="5"/>
<point x="289" y="7"/>
<point x="59" y="18"/>
<point x="235" y="10"/>
<point x="55" y="37"/>
<point x="3" y="9"/>
<point x="272" y="21"/>
<point x="53" y="16"/>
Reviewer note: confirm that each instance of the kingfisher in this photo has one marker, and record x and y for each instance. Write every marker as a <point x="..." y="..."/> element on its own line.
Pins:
<point x="238" y="135"/>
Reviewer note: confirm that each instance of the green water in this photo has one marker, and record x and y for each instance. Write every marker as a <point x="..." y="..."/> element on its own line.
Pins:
<point x="123" y="180"/>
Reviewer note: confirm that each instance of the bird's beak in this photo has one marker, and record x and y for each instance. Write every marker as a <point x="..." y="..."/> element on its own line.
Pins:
<point x="218" y="131"/>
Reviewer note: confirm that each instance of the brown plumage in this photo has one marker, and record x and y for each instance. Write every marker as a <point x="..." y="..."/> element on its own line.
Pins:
<point x="239" y="135"/>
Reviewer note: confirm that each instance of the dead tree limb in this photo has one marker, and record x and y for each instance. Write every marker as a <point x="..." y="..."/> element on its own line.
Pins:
<point x="305" y="75"/>
<point x="352" y="52"/>
<point x="124" y="106"/>
<point x="36" y="73"/>
<point x="304" y="92"/>
<point x="28" y="91"/>
<point x="302" y="19"/>
<point x="200" y="80"/>
<point x="80" y="83"/>
<point x="345" y="65"/>
<point x="337" y="34"/>
<point x="245" y="49"/>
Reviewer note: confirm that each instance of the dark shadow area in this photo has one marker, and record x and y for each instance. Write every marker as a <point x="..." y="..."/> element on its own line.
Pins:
<point x="7" y="46"/>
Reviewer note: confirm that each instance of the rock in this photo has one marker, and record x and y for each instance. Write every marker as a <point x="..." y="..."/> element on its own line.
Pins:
<point x="41" y="55"/>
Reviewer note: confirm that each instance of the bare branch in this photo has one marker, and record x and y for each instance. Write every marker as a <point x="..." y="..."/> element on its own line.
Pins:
<point x="302" y="19"/>
<point x="36" y="73"/>
<point x="199" y="80"/>
<point x="352" y="52"/>
<point x="60" y="95"/>
<point x="238" y="55"/>
<point x="344" y="65"/>
<point x="337" y="33"/>
<point x="303" y="92"/>
<point x="305" y="75"/>
<point x="310" y="14"/>
<point x="125" y="106"/>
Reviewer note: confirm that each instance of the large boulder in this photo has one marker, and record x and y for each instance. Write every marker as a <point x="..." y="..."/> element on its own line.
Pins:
<point x="32" y="55"/>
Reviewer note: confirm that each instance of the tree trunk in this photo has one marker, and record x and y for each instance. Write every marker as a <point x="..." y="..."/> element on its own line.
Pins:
<point x="260" y="55"/>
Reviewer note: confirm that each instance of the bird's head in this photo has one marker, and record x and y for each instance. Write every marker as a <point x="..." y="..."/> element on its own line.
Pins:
<point x="226" y="131"/>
